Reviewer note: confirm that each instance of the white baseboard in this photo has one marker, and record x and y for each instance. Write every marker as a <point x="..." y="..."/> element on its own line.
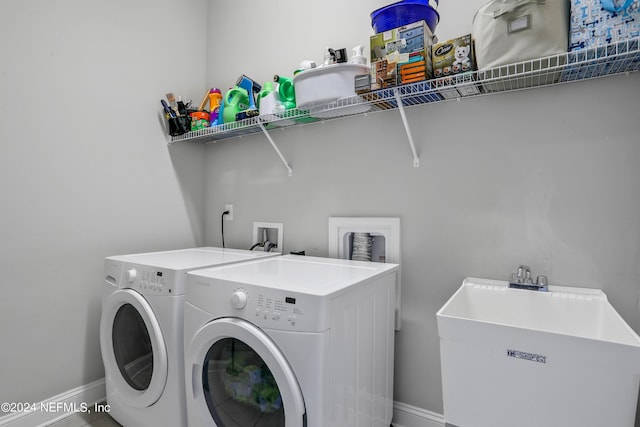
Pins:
<point x="61" y="406"/>
<point x="57" y="407"/>
<point x="410" y="416"/>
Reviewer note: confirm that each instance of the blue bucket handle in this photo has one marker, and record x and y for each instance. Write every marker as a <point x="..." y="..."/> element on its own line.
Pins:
<point x="422" y="2"/>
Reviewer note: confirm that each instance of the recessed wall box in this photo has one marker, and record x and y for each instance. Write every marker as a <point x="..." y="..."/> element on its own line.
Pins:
<point x="266" y="234"/>
<point x="384" y="234"/>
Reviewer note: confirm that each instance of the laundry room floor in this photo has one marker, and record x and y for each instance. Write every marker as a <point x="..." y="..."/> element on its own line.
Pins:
<point x="97" y="419"/>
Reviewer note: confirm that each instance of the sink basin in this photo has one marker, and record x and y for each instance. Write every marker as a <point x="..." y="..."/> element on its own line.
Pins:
<point x="513" y="357"/>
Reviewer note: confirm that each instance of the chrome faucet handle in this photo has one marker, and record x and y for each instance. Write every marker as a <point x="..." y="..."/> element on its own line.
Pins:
<point x="542" y="283"/>
<point x="527" y="276"/>
<point x="522" y="274"/>
<point x="522" y="280"/>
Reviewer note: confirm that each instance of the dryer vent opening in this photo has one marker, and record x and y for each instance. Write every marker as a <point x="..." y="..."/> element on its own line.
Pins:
<point x="360" y="246"/>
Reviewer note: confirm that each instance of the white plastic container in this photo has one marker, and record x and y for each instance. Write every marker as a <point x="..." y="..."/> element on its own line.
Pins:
<point x="513" y="357"/>
<point x="325" y="84"/>
<point x="269" y="105"/>
<point x="271" y="110"/>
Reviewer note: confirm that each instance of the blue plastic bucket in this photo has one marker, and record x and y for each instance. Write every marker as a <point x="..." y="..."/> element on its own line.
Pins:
<point x="403" y="13"/>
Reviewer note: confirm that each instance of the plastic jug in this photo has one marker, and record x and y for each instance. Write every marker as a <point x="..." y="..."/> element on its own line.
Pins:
<point x="286" y="91"/>
<point x="235" y="101"/>
<point x="267" y="88"/>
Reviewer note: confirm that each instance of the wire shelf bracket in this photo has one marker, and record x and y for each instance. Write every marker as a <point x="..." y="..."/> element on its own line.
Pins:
<point x="276" y="149"/>
<point x="405" y="122"/>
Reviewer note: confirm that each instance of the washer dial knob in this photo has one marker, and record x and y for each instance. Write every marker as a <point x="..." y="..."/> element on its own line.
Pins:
<point x="131" y="275"/>
<point x="238" y="299"/>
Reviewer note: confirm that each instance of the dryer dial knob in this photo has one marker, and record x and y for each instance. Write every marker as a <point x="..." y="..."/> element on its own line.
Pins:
<point x="238" y="300"/>
<point x="131" y="275"/>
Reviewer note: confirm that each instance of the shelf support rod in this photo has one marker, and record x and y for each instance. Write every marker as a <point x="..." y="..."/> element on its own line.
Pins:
<point x="275" y="147"/>
<point x="416" y="160"/>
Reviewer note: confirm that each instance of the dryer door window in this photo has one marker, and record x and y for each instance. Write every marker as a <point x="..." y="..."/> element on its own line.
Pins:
<point x="132" y="347"/>
<point x="240" y="377"/>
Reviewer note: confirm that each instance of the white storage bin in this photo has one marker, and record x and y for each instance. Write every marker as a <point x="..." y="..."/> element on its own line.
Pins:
<point x="325" y="84"/>
<point x="510" y="31"/>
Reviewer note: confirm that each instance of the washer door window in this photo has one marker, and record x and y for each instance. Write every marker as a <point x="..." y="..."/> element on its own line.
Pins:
<point x="133" y="348"/>
<point x="241" y="377"/>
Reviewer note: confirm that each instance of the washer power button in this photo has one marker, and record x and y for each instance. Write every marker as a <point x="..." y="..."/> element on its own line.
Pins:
<point x="238" y="299"/>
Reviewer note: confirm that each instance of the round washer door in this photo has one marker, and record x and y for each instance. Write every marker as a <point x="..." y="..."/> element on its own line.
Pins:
<point x="133" y="348"/>
<point x="240" y="377"/>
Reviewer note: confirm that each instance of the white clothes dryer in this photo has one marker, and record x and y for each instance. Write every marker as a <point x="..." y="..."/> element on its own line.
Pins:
<point x="291" y="341"/>
<point x="141" y="331"/>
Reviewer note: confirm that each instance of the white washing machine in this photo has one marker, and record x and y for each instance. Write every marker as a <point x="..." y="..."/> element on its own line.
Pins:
<point x="291" y="341"/>
<point x="141" y="331"/>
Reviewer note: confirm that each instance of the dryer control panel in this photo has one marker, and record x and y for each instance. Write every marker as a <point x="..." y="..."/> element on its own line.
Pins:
<point x="148" y="280"/>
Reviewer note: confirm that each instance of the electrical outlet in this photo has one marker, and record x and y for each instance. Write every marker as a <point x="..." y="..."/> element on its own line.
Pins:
<point x="229" y="216"/>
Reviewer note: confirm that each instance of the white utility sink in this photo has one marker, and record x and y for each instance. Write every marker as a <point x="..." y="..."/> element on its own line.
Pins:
<point x="513" y="357"/>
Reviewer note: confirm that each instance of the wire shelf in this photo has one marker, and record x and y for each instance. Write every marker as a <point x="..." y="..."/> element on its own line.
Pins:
<point x="617" y="58"/>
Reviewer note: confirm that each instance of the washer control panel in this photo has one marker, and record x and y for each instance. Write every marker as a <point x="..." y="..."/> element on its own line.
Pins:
<point x="278" y="309"/>
<point x="274" y="308"/>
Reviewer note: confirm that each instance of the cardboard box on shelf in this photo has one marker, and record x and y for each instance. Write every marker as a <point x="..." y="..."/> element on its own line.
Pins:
<point x="414" y="69"/>
<point x="453" y="57"/>
<point x="401" y="55"/>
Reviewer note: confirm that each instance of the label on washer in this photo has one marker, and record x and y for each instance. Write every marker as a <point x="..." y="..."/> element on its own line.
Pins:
<point x="532" y="357"/>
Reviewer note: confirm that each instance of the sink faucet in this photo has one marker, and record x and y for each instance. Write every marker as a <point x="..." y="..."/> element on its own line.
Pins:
<point x="522" y="280"/>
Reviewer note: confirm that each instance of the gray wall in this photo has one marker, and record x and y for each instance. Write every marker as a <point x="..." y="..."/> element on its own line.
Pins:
<point x="546" y="177"/>
<point x="85" y="171"/>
